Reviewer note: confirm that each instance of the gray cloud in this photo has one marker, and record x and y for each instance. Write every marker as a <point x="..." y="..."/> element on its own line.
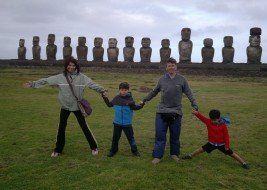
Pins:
<point x="113" y="18"/>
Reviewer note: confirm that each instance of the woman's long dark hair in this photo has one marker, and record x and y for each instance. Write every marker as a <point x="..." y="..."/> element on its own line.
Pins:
<point x="67" y="62"/>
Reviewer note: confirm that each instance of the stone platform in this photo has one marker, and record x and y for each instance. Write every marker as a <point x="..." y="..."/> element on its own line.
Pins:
<point x="214" y="69"/>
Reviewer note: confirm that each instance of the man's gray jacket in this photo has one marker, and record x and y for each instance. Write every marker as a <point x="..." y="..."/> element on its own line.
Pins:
<point x="172" y="90"/>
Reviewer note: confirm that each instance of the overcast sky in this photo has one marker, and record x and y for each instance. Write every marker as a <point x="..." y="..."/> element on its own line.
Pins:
<point x="157" y="19"/>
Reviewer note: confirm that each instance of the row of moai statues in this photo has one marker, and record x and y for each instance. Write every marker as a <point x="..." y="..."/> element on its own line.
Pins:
<point x="185" y="47"/>
<point x="98" y="50"/>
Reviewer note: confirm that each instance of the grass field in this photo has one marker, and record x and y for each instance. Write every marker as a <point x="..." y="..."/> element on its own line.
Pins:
<point x="28" y="128"/>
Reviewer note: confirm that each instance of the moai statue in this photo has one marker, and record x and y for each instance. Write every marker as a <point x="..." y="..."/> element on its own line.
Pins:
<point x="67" y="49"/>
<point x="254" y="50"/>
<point x="207" y="52"/>
<point x="145" y="50"/>
<point x="128" y="50"/>
<point x="228" y="51"/>
<point x="36" y="49"/>
<point x="185" y="46"/>
<point x="98" y="50"/>
<point x="51" y="48"/>
<point x="82" y="49"/>
<point x="165" y="50"/>
<point x="22" y="50"/>
<point x="113" y="51"/>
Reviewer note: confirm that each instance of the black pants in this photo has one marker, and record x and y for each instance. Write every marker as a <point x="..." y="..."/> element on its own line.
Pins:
<point x="64" y="115"/>
<point x="210" y="147"/>
<point x="128" y="130"/>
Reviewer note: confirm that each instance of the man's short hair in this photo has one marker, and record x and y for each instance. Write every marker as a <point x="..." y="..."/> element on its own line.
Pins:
<point x="214" y="114"/>
<point x="172" y="60"/>
<point x="124" y="85"/>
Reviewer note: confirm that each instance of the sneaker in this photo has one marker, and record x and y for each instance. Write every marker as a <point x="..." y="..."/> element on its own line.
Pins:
<point x="55" y="154"/>
<point x="95" y="152"/>
<point x="137" y="153"/>
<point x="187" y="157"/>
<point x="245" y="166"/>
<point x="175" y="158"/>
<point x="111" y="154"/>
<point x="156" y="161"/>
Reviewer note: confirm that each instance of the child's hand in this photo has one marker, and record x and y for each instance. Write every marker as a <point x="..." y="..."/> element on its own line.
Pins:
<point x="141" y="103"/>
<point x="104" y="94"/>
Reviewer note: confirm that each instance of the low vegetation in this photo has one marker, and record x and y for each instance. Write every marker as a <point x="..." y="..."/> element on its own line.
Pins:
<point x="28" y="127"/>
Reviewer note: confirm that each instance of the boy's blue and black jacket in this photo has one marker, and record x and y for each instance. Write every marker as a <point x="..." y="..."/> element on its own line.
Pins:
<point x="123" y="106"/>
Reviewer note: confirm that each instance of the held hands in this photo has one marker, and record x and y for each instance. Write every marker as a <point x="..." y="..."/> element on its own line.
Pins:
<point x="195" y="107"/>
<point x="141" y="103"/>
<point x="104" y="94"/>
<point x="194" y="111"/>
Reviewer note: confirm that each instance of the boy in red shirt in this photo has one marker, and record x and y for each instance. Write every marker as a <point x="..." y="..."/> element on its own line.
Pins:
<point x="218" y="137"/>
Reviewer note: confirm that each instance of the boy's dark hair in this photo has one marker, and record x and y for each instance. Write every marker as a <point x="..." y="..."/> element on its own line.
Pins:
<point x="67" y="62"/>
<point x="124" y="85"/>
<point x="171" y="60"/>
<point x="215" y="114"/>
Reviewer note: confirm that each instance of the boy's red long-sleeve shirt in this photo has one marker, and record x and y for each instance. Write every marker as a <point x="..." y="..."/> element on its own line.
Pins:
<point x="217" y="133"/>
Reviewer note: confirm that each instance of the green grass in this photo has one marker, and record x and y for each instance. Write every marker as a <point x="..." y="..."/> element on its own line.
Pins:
<point x="28" y="127"/>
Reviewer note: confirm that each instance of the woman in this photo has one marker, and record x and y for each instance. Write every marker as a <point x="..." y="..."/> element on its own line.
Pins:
<point x="68" y="102"/>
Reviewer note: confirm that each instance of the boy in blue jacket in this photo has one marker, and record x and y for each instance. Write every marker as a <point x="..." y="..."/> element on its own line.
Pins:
<point x="123" y="105"/>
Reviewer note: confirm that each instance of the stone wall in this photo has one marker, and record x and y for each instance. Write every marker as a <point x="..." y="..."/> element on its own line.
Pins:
<point x="216" y="69"/>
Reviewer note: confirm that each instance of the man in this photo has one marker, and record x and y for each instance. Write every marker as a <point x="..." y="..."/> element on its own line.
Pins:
<point x="169" y="113"/>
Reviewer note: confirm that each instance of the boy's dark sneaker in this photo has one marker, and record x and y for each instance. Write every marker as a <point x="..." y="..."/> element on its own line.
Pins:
<point x="245" y="166"/>
<point x="111" y="154"/>
<point x="187" y="157"/>
<point x="137" y="153"/>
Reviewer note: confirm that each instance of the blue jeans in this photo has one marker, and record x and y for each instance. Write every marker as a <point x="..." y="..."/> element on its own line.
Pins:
<point x="160" y="138"/>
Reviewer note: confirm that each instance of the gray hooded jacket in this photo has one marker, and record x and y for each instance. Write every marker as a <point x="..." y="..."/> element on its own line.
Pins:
<point x="78" y="80"/>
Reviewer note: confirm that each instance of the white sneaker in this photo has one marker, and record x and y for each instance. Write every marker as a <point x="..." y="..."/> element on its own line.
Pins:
<point x="55" y="154"/>
<point x="175" y="158"/>
<point x="156" y="161"/>
<point x="95" y="152"/>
